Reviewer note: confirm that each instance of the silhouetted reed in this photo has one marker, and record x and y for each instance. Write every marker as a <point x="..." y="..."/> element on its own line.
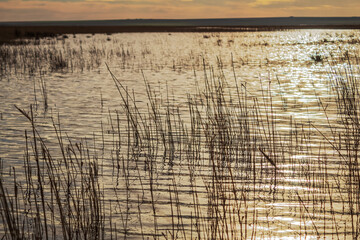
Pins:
<point x="219" y="170"/>
<point x="345" y="82"/>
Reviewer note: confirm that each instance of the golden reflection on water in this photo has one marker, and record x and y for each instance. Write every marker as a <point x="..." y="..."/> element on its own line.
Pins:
<point x="287" y="72"/>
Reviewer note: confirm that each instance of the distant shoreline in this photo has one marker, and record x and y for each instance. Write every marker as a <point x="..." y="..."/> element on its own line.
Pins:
<point x="273" y="21"/>
<point x="18" y="30"/>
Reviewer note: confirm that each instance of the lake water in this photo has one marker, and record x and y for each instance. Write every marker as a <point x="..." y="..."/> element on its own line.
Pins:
<point x="186" y="135"/>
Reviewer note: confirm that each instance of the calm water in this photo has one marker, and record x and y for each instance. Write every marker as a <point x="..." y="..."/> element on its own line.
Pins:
<point x="288" y="72"/>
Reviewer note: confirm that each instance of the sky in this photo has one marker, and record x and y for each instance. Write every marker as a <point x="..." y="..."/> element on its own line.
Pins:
<point x="52" y="10"/>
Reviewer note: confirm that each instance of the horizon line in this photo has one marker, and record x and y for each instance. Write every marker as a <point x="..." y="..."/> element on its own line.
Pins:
<point x="174" y="19"/>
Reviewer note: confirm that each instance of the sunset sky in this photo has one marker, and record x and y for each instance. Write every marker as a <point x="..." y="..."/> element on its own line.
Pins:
<point x="42" y="10"/>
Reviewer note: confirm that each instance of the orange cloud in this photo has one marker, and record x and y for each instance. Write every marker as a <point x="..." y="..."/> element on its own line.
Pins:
<point x="19" y="10"/>
<point x="269" y="2"/>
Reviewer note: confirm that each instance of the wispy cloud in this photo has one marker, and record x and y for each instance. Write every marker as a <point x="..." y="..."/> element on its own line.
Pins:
<point x="30" y="10"/>
<point x="269" y="2"/>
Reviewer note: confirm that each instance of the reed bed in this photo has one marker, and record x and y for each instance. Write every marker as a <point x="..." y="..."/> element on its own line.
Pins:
<point x="230" y="165"/>
<point x="217" y="175"/>
<point x="85" y="52"/>
<point x="214" y="157"/>
<point x="345" y="81"/>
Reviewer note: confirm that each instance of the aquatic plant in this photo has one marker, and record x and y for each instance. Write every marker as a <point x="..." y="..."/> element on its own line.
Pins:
<point x="231" y="165"/>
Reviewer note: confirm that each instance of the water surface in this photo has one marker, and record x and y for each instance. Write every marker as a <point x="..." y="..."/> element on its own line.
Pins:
<point x="283" y="76"/>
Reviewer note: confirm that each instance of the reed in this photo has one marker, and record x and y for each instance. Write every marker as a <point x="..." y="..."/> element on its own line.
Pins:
<point x="345" y="82"/>
<point x="214" y="171"/>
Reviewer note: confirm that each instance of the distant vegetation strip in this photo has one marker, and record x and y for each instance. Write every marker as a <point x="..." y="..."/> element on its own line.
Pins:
<point x="279" y="21"/>
<point x="15" y="30"/>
